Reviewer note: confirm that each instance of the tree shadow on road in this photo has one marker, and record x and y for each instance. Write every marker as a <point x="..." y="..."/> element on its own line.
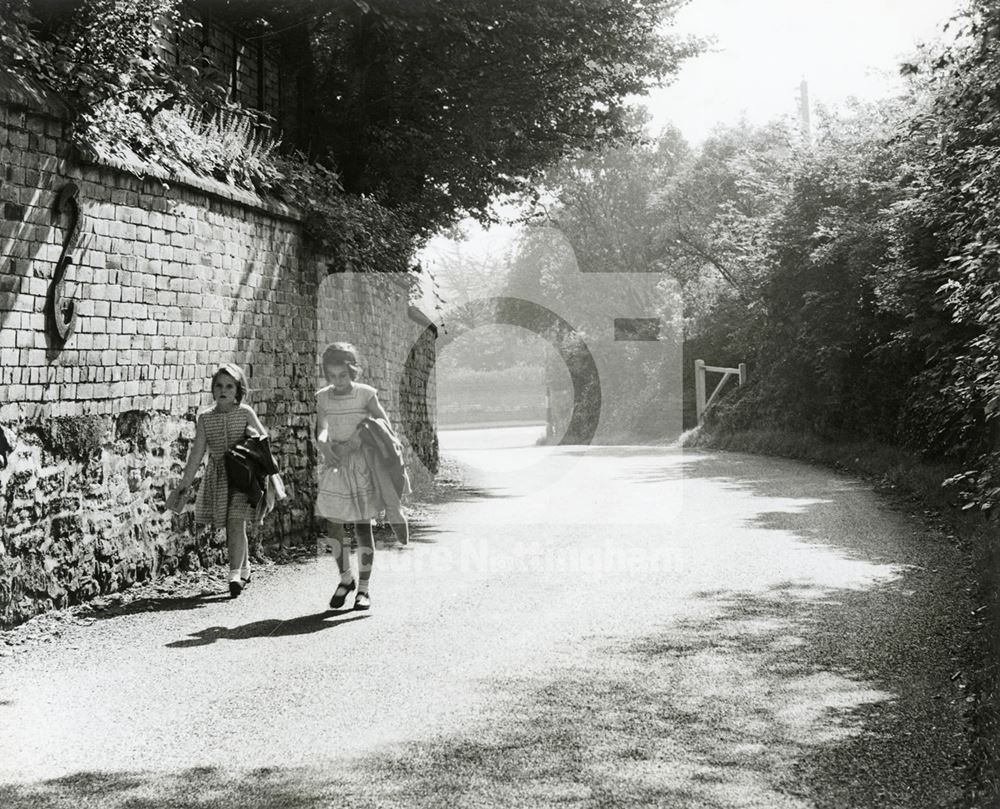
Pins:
<point x="827" y="691"/>
<point x="269" y="628"/>
<point x="814" y="503"/>
<point x="795" y="697"/>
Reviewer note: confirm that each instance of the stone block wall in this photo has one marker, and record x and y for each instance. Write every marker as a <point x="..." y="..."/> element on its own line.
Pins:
<point x="169" y="279"/>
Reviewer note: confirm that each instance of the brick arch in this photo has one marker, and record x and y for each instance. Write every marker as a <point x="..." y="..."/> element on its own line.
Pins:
<point x="538" y="319"/>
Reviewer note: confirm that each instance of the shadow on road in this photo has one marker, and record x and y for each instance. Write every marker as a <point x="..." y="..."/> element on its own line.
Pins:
<point x="269" y="628"/>
<point x="823" y="692"/>
<point x="421" y="532"/>
<point x="795" y="697"/>
<point x="814" y="503"/>
<point x="461" y="493"/>
<point x="154" y="604"/>
<point x="766" y="477"/>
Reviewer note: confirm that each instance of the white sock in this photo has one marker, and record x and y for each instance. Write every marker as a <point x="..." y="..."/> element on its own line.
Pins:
<point x="245" y="572"/>
<point x="234" y="575"/>
<point x="346" y="577"/>
<point x="362" y="586"/>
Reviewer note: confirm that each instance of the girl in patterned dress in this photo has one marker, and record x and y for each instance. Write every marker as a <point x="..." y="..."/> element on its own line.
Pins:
<point x="218" y="430"/>
<point x="347" y="491"/>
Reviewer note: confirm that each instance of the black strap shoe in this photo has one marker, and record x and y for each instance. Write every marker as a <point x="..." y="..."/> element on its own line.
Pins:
<point x="340" y="595"/>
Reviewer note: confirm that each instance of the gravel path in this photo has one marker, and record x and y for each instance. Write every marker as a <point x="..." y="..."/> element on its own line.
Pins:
<point x="599" y="627"/>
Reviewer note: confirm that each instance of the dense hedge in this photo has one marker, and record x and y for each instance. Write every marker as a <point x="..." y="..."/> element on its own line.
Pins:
<point x="879" y="315"/>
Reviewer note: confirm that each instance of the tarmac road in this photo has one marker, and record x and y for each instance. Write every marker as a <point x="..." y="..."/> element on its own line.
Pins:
<point x="582" y="626"/>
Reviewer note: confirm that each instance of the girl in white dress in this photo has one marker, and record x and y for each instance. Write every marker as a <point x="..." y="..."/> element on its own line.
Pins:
<point x="347" y="491"/>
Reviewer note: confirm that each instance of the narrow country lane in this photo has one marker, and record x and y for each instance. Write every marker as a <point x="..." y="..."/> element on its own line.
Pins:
<point x="583" y="627"/>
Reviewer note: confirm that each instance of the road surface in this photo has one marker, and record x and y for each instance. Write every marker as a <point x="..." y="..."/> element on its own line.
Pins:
<point x="580" y="627"/>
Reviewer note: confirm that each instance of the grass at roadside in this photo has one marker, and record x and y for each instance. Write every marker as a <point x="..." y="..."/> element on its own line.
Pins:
<point x="906" y="475"/>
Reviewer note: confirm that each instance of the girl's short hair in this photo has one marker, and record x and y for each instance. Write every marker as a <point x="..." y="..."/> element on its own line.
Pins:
<point x="236" y="373"/>
<point x="342" y="354"/>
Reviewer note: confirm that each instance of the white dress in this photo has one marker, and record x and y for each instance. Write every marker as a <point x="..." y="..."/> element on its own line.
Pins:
<point x="345" y="493"/>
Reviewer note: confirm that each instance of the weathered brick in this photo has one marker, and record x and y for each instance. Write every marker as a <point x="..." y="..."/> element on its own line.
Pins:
<point x="13" y="212"/>
<point x="9" y="357"/>
<point x="32" y="356"/>
<point x="174" y="283"/>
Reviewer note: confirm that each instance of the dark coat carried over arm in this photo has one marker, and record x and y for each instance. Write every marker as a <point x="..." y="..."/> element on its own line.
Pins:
<point x="248" y="465"/>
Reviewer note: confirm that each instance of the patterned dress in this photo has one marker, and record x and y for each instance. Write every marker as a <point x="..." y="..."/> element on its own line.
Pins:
<point x="345" y="493"/>
<point x="215" y="504"/>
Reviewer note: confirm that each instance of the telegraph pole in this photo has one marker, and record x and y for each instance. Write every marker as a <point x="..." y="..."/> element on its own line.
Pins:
<point x="804" y="122"/>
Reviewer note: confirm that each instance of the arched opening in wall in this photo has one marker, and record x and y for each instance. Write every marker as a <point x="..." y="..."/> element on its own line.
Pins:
<point x="495" y="389"/>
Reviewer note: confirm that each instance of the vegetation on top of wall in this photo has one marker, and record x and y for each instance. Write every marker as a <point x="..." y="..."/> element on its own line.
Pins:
<point x="434" y="109"/>
<point x="413" y="114"/>
<point x="227" y="145"/>
<point x="96" y="51"/>
<point x="361" y="234"/>
<point x="142" y="112"/>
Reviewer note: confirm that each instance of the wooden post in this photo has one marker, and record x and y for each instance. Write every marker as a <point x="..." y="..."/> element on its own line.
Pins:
<point x="699" y="388"/>
<point x="743" y="373"/>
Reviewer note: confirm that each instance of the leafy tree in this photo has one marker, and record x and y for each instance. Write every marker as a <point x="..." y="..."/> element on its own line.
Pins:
<point x="715" y="220"/>
<point x="465" y="276"/>
<point x="825" y="359"/>
<point x="948" y="254"/>
<point x="598" y="201"/>
<point x="93" y="52"/>
<point x="438" y="106"/>
<point x="429" y="109"/>
<point x="717" y="214"/>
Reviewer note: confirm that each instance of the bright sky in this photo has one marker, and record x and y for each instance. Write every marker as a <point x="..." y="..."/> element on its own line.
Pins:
<point x="764" y="48"/>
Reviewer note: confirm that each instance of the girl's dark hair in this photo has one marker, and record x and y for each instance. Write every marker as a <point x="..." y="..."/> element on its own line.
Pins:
<point x="236" y="373"/>
<point x="342" y="354"/>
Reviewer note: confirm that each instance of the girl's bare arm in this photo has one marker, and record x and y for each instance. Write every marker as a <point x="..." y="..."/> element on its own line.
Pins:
<point x="253" y="420"/>
<point x="195" y="456"/>
<point x="375" y="409"/>
<point x="323" y="445"/>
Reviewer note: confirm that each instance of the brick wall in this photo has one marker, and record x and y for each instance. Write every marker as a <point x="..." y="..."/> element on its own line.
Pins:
<point x="248" y="66"/>
<point x="169" y="279"/>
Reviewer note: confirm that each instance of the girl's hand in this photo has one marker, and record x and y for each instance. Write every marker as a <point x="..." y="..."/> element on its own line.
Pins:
<point x="175" y="501"/>
<point x="328" y="454"/>
<point x="354" y="442"/>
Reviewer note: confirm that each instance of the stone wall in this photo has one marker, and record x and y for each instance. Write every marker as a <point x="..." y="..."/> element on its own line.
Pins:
<point x="169" y="279"/>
